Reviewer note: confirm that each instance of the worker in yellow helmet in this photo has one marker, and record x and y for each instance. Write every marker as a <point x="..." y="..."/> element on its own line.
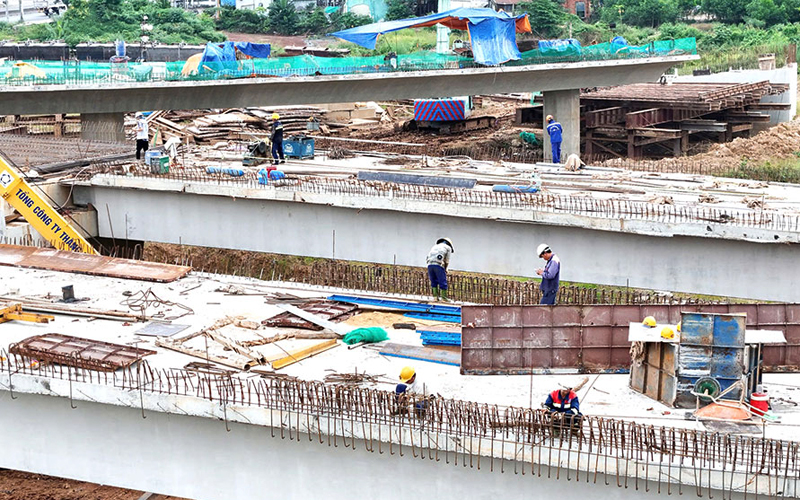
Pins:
<point x="276" y="137"/>
<point x="407" y="392"/>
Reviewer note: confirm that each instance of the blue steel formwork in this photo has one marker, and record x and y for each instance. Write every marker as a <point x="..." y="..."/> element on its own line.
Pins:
<point x="711" y="345"/>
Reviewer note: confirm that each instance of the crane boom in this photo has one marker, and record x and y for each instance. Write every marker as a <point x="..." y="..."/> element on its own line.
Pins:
<point x="38" y="213"/>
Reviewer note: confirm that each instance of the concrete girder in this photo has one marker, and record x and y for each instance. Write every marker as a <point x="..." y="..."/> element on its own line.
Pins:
<point x="120" y="98"/>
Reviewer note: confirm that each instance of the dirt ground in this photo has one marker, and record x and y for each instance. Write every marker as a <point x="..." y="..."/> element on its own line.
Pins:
<point x="16" y="485"/>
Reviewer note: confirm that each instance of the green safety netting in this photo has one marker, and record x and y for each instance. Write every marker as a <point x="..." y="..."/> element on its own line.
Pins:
<point x="58" y="72"/>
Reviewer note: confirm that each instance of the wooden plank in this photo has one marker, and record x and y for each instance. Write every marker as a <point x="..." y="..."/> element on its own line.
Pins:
<point x="167" y="343"/>
<point x="421" y="354"/>
<point x="301" y="354"/>
<point x="339" y="329"/>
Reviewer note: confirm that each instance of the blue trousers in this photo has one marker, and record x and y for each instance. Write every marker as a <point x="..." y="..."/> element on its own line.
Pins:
<point x="438" y="276"/>
<point x="277" y="150"/>
<point x="556" y="151"/>
<point x="549" y="298"/>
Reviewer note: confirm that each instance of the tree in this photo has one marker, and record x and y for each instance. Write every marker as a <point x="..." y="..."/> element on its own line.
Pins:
<point x="726" y="11"/>
<point x="347" y="20"/>
<point x="314" y="21"/>
<point x="645" y="13"/>
<point x="399" y="9"/>
<point x="283" y="17"/>
<point x="766" y="12"/>
<point x="546" y="17"/>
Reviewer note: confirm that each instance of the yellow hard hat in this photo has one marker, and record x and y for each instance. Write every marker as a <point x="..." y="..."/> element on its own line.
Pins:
<point x="667" y="333"/>
<point x="549" y="118"/>
<point x="649" y="321"/>
<point x="679" y="327"/>
<point x="407" y="374"/>
<point x="275" y="116"/>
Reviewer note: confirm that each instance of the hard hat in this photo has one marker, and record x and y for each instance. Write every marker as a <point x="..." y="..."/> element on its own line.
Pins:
<point x="679" y="327"/>
<point x="549" y="118"/>
<point x="667" y="333"/>
<point x="407" y="374"/>
<point x="275" y="116"/>
<point x="542" y="249"/>
<point x="138" y="114"/>
<point x="649" y="321"/>
<point x="448" y="241"/>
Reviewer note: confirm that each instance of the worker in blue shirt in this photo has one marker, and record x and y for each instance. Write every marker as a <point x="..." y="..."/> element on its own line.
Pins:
<point x="276" y="136"/>
<point x="550" y="274"/>
<point x="554" y="130"/>
<point x="565" y="410"/>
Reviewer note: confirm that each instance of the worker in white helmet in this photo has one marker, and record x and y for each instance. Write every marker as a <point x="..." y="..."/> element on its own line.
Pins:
<point x="438" y="261"/>
<point x="550" y="274"/>
<point x="142" y="134"/>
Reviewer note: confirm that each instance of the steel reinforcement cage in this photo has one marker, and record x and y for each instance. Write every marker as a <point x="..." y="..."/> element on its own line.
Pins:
<point x="619" y="451"/>
<point x="539" y="202"/>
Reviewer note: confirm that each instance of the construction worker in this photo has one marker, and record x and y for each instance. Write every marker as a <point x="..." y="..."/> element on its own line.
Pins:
<point x="276" y="137"/>
<point x="564" y="408"/>
<point x="550" y="274"/>
<point x="438" y="260"/>
<point x="563" y="400"/>
<point x="554" y="130"/>
<point x="142" y="137"/>
<point x="407" y="390"/>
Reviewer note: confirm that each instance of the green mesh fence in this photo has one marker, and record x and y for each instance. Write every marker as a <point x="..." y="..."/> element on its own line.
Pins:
<point x="58" y="72"/>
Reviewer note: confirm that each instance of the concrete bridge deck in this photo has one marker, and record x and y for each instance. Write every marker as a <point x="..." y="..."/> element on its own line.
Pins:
<point x="157" y="427"/>
<point x="662" y="247"/>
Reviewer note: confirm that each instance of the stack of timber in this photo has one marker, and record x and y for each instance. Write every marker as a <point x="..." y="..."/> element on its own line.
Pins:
<point x="653" y="119"/>
<point x="230" y="124"/>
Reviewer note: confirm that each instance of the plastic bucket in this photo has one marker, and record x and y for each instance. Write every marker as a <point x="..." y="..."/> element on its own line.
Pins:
<point x="760" y="403"/>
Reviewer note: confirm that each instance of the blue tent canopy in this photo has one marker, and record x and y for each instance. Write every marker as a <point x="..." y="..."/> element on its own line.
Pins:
<point x="493" y="34"/>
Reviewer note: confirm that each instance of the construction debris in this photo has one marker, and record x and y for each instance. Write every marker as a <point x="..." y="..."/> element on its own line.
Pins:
<point x="324" y="309"/>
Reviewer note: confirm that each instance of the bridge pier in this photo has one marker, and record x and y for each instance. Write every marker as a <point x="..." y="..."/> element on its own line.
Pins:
<point x="565" y="106"/>
<point x="106" y="127"/>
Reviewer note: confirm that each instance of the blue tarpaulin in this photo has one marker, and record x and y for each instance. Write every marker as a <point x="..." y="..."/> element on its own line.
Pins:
<point x="226" y="52"/>
<point x="493" y="34"/>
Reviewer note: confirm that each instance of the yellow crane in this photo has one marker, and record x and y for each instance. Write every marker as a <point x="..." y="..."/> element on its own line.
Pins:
<point x="39" y="214"/>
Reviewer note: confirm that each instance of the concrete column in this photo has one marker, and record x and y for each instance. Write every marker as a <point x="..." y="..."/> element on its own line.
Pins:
<point x="565" y="106"/>
<point x="106" y="127"/>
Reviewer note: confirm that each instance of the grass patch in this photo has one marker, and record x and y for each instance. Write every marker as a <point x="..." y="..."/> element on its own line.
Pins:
<point x="782" y="170"/>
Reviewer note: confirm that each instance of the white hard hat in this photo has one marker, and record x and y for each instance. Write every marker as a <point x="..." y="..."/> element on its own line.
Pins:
<point x="138" y="114"/>
<point x="448" y="241"/>
<point x="542" y="249"/>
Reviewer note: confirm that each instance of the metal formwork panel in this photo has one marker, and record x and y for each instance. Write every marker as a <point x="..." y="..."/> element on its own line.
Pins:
<point x="593" y="338"/>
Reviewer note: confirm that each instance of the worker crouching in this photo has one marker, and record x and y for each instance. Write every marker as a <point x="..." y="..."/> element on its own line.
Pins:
<point x="407" y="393"/>
<point x="565" y="410"/>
